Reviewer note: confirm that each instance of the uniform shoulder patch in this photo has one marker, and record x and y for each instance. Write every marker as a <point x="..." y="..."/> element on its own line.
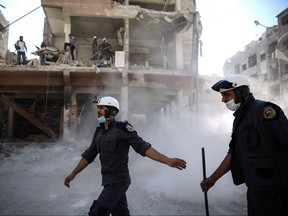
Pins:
<point x="125" y="126"/>
<point x="269" y="112"/>
<point x="129" y="127"/>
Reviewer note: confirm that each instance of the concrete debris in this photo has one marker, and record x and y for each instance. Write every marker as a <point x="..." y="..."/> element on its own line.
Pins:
<point x="50" y="55"/>
<point x="171" y="19"/>
<point x="53" y="56"/>
<point x="37" y="138"/>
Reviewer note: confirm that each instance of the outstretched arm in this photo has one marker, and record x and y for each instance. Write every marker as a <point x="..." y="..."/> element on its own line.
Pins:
<point x="83" y="163"/>
<point x="172" y="162"/>
<point x="223" y="168"/>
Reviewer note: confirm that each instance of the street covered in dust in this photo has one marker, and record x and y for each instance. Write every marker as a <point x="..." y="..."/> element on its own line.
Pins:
<point x="32" y="175"/>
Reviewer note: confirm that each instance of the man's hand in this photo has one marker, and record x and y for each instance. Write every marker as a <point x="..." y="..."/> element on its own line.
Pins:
<point x="177" y="163"/>
<point x="68" y="179"/>
<point x="83" y="163"/>
<point x="207" y="184"/>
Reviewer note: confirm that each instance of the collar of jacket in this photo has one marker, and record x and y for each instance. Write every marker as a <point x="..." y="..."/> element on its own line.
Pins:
<point x="245" y="106"/>
<point x="111" y="124"/>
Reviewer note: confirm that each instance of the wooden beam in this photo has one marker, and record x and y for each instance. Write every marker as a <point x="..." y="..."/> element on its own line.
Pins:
<point x="10" y="122"/>
<point x="30" y="118"/>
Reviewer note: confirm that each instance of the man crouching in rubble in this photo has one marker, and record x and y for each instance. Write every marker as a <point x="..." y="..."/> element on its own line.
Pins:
<point x="112" y="140"/>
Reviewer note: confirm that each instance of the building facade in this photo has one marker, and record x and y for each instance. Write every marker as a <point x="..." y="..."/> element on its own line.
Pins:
<point x="265" y="62"/>
<point x="4" y="33"/>
<point x="153" y="73"/>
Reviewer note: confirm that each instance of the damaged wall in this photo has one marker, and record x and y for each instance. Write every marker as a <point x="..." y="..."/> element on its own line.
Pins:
<point x="151" y="34"/>
<point x="4" y="33"/>
<point x="156" y="75"/>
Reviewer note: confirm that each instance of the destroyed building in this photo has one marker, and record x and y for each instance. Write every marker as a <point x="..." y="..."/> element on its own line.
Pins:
<point x="3" y="37"/>
<point x="265" y="62"/>
<point x="153" y="70"/>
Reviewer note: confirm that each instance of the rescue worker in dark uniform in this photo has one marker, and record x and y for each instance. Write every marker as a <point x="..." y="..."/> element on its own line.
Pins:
<point x="258" y="150"/>
<point x="105" y="49"/>
<point x="112" y="140"/>
<point x="94" y="48"/>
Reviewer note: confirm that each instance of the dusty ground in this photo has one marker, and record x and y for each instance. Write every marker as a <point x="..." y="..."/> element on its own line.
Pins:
<point x="32" y="176"/>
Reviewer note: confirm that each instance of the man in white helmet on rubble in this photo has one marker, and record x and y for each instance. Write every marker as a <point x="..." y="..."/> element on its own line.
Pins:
<point x="105" y="49"/>
<point x="258" y="150"/>
<point x="94" y="48"/>
<point x="112" y="140"/>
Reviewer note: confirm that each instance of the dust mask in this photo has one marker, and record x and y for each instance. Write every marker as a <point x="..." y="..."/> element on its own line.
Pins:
<point x="231" y="105"/>
<point x="101" y="119"/>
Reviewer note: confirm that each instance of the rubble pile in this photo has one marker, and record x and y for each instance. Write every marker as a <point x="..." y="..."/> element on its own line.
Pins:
<point x="54" y="56"/>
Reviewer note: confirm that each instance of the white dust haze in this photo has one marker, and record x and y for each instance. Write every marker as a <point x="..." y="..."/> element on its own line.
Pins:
<point x="32" y="176"/>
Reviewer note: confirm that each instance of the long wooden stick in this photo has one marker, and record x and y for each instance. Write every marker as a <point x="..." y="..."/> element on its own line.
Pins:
<point x="204" y="177"/>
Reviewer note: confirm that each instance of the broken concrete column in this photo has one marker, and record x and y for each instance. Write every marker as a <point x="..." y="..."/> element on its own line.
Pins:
<point x="67" y="28"/>
<point x="10" y="122"/>
<point x="179" y="101"/>
<point x="126" y="43"/>
<point x="178" y="5"/>
<point x="66" y="112"/>
<point x="179" y="51"/>
<point x="124" y="104"/>
<point x="73" y="114"/>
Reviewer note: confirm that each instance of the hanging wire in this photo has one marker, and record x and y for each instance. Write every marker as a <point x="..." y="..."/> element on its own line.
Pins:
<point x="19" y="18"/>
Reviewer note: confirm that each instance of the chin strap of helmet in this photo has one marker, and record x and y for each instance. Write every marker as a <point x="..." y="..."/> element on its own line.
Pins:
<point x="242" y="92"/>
<point x="109" y="110"/>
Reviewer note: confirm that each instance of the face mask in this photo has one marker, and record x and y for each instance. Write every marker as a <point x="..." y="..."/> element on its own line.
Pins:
<point x="231" y="105"/>
<point x="101" y="119"/>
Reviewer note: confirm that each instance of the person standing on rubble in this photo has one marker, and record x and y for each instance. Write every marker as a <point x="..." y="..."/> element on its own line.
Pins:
<point x="258" y="150"/>
<point x="21" y="48"/>
<point x="94" y="48"/>
<point x="112" y="140"/>
<point x="105" y="49"/>
<point x="71" y="45"/>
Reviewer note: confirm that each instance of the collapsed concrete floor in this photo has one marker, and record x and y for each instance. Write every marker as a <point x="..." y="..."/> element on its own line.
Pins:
<point x="32" y="177"/>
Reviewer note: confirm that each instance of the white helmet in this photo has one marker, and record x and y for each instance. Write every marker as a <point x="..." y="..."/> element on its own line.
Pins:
<point x="231" y="82"/>
<point x="94" y="37"/>
<point x="108" y="101"/>
<point x="104" y="39"/>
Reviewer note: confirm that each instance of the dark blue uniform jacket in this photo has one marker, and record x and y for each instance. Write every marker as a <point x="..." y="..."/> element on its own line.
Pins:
<point x="113" y="147"/>
<point x="259" y="145"/>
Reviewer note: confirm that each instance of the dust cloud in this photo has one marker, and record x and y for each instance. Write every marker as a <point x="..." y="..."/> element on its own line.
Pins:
<point x="32" y="175"/>
<point x="184" y="137"/>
